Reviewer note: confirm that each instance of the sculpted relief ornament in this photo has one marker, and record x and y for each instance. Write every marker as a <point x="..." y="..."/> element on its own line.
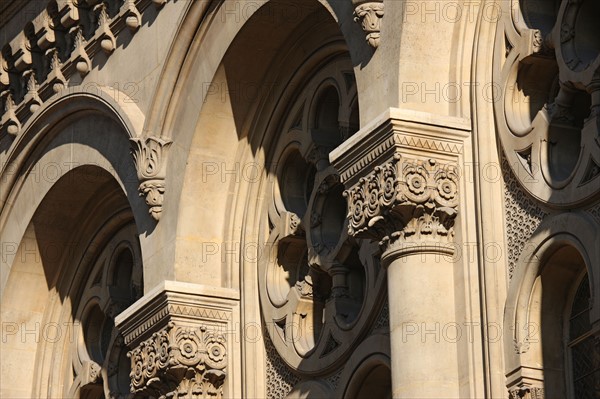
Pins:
<point x="402" y="186"/>
<point x="178" y="340"/>
<point x="527" y="393"/>
<point x="406" y="199"/>
<point x="150" y="161"/>
<point x="547" y="70"/>
<point x="369" y="14"/>
<point x="59" y="43"/>
<point x="180" y="362"/>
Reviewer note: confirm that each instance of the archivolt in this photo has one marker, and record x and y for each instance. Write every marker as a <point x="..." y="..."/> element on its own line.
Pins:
<point x="76" y="128"/>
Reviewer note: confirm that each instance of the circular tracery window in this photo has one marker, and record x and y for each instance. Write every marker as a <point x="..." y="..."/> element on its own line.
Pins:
<point x="319" y="288"/>
<point x="100" y="365"/>
<point x="547" y="66"/>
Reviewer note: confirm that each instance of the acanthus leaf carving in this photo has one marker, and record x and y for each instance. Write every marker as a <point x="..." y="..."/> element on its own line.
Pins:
<point x="83" y="64"/>
<point x="9" y="120"/>
<point x="369" y="15"/>
<point x="180" y="362"/>
<point x="150" y="161"/>
<point x="108" y="42"/>
<point x="405" y="199"/>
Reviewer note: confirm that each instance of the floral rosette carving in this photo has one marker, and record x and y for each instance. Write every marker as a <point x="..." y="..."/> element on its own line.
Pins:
<point x="215" y="347"/>
<point x="187" y="351"/>
<point x="180" y="361"/>
<point x="149" y="355"/>
<point x="357" y="210"/>
<point x="137" y="369"/>
<point x="415" y="178"/>
<point x="420" y="201"/>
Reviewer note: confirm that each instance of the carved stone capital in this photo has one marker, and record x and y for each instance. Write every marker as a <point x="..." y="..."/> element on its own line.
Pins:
<point x="369" y="15"/>
<point x="526" y="383"/>
<point x="180" y="337"/>
<point x="526" y="392"/>
<point x="180" y="362"/>
<point x="402" y="183"/>
<point x="407" y="199"/>
<point x="150" y="156"/>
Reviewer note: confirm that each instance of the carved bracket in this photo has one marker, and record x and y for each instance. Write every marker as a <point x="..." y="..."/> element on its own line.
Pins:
<point x="369" y="15"/>
<point x="180" y="362"/>
<point x="150" y="161"/>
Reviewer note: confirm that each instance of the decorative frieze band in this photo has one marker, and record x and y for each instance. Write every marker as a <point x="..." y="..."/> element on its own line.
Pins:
<point x="59" y="43"/>
<point x="368" y="13"/>
<point x="151" y="164"/>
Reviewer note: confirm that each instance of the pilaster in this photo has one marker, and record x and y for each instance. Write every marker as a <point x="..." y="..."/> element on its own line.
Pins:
<point x="183" y="343"/>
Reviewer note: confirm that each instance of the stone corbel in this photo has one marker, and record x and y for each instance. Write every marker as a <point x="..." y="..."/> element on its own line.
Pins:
<point x="180" y="338"/>
<point x="44" y="31"/>
<point x="68" y="13"/>
<point x="369" y="14"/>
<point x="150" y="155"/>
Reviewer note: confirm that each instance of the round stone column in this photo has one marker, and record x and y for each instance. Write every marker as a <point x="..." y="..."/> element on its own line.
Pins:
<point x="402" y="188"/>
<point x="423" y="328"/>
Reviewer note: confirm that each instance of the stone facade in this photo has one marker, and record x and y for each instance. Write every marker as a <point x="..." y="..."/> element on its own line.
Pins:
<point x="301" y="199"/>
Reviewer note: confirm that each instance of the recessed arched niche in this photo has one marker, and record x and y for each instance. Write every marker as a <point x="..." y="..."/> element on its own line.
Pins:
<point x="60" y="286"/>
<point x="551" y="307"/>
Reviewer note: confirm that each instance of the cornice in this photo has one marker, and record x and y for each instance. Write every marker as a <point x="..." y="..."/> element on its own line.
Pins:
<point x="60" y="42"/>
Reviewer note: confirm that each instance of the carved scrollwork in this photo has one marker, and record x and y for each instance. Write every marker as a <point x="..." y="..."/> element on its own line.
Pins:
<point x="369" y="14"/>
<point x="408" y="199"/>
<point x="150" y="161"/>
<point x="180" y="362"/>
